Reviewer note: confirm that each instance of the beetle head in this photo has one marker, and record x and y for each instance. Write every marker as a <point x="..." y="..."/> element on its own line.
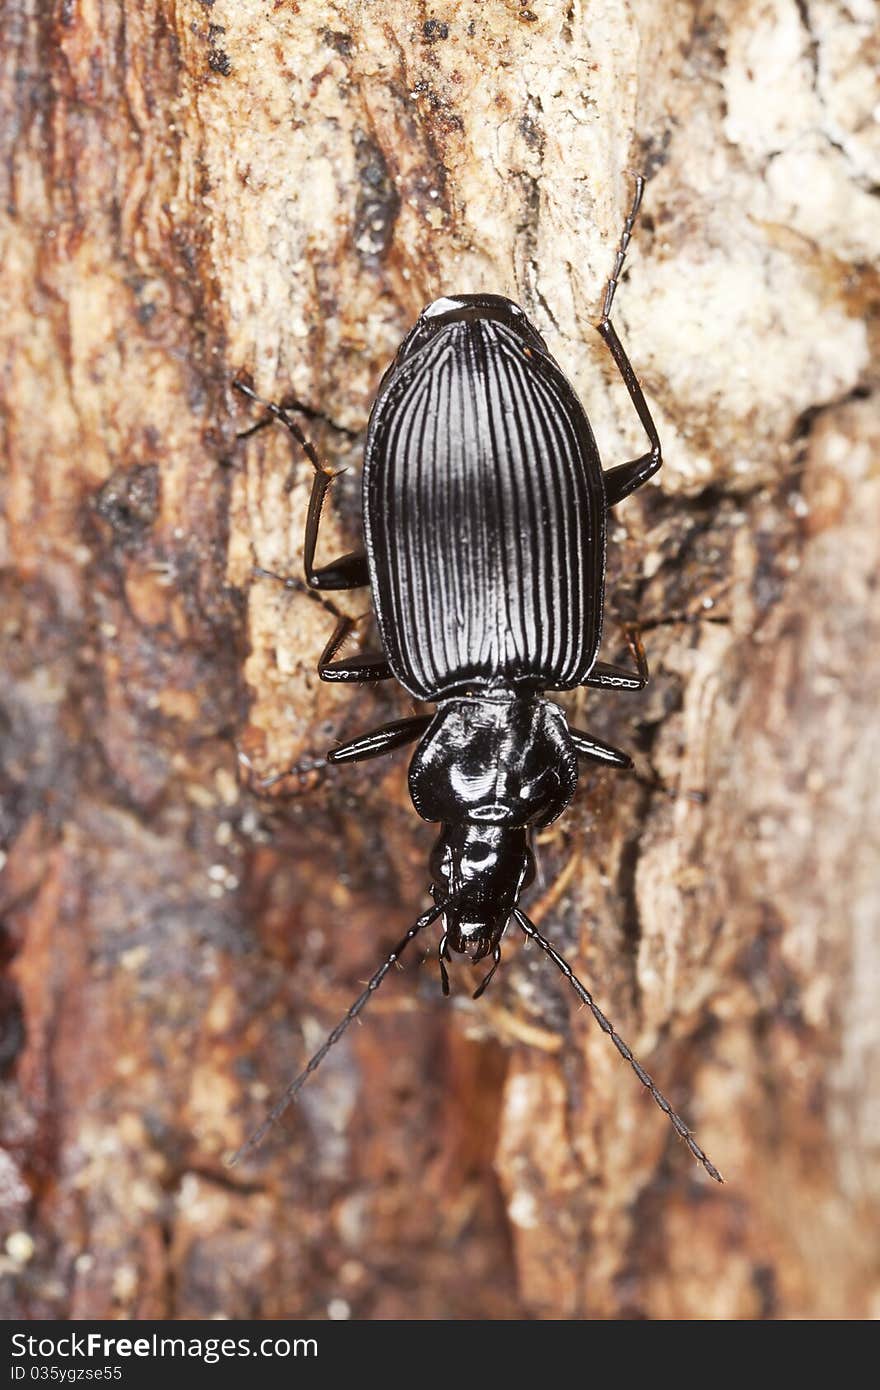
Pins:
<point x="489" y="865"/>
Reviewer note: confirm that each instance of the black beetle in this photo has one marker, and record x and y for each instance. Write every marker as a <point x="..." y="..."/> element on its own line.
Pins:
<point x="485" y="509"/>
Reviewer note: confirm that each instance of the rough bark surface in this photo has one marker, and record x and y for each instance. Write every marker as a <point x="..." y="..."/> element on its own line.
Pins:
<point x="195" y="189"/>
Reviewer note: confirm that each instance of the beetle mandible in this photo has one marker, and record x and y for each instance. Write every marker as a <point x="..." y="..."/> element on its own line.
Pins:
<point x="485" y="508"/>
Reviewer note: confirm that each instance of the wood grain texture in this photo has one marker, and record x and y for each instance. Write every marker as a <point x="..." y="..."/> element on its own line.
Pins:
<point x="193" y="191"/>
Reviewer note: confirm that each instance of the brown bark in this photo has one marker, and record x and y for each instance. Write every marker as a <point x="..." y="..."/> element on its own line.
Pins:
<point x="194" y="190"/>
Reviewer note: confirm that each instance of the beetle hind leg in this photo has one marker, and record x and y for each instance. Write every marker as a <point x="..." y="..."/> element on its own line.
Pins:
<point x="303" y="776"/>
<point x="366" y="666"/>
<point x="298" y="586"/>
<point x="349" y="571"/>
<point x="626" y="477"/>
<point x="596" y="750"/>
<point x="380" y="741"/>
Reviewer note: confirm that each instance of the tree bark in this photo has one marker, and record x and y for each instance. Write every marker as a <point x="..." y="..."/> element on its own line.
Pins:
<point x="197" y="190"/>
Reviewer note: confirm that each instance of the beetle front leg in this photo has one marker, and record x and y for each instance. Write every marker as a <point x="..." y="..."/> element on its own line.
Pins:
<point x="626" y="477"/>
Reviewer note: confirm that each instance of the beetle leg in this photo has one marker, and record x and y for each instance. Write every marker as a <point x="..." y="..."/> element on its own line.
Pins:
<point x="626" y="477"/>
<point x="348" y="572"/>
<point x="366" y="666"/>
<point x="379" y="741"/>
<point x="297" y="586"/>
<point x="484" y="983"/>
<point x="596" y="750"/>
<point x="371" y="745"/>
<point x="443" y="956"/>
<point x="300" y="407"/>
<point x="605" y="676"/>
<point x="357" y="670"/>
<point x="309" y="769"/>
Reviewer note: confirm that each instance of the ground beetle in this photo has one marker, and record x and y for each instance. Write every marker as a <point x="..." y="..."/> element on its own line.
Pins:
<point x="485" y="507"/>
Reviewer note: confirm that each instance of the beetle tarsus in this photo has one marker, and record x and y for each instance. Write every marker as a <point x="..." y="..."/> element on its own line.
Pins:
<point x="298" y="586"/>
<point x="308" y="770"/>
<point x="277" y="412"/>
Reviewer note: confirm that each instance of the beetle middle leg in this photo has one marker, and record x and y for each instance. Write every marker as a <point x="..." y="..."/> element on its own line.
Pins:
<point x="606" y="676"/>
<point x="626" y="477"/>
<point x="366" y="666"/>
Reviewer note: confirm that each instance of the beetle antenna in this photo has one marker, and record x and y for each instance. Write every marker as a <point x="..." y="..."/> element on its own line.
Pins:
<point x="625" y="1051"/>
<point x="298" y="1082"/>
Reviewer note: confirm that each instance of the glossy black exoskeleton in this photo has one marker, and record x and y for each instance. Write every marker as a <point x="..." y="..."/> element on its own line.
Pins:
<point x="485" y="512"/>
